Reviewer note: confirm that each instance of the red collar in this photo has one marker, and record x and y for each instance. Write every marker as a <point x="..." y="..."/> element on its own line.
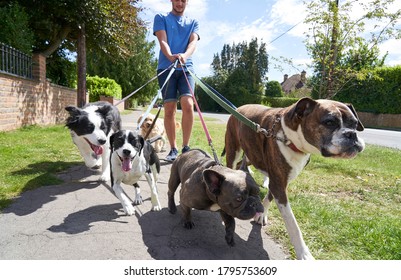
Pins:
<point x="294" y="148"/>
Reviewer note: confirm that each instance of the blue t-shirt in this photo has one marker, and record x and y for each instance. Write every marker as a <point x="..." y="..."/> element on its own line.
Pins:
<point x="178" y="30"/>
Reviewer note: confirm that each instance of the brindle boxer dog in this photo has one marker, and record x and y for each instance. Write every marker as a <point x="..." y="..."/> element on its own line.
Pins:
<point x="293" y="133"/>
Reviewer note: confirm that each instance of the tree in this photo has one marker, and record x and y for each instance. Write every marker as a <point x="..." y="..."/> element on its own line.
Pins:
<point x="104" y="25"/>
<point x="15" y="30"/>
<point x="333" y="34"/>
<point x="273" y="89"/>
<point x="239" y="72"/>
<point x="130" y="72"/>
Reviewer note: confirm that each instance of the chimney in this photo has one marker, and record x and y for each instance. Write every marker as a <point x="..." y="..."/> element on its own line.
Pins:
<point x="303" y="76"/>
<point x="285" y="77"/>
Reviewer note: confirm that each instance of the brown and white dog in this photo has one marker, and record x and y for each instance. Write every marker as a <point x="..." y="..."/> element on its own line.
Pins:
<point x="293" y="133"/>
<point x="157" y="130"/>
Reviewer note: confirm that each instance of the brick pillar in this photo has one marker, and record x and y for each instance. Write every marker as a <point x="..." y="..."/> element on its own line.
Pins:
<point x="39" y="67"/>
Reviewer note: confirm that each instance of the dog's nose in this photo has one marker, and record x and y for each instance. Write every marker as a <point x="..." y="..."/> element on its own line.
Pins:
<point x="126" y="152"/>
<point x="101" y="141"/>
<point x="350" y="135"/>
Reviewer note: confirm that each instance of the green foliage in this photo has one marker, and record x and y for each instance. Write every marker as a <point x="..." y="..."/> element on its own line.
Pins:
<point x="273" y="89"/>
<point x="375" y="91"/>
<point x="131" y="72"/>
<point x="335" y="42"/>
<point x="278" y="102"/>
<point x="15" y="30"/>
<point x="61" y="70"/>
<point x="102" y="86"/>
<point x="239" y="74"/>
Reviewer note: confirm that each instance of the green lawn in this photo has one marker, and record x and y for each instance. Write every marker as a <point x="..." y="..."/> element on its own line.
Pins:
<point x="346" y="209"/>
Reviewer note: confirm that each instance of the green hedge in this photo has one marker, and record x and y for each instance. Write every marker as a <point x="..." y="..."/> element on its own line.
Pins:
<point x="278" y="102"/>
<point x="376" y="91"/>
<point x="98" y="86"/>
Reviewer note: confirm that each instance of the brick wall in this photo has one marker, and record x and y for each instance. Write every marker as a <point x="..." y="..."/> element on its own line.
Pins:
<point x="28" y="102"/>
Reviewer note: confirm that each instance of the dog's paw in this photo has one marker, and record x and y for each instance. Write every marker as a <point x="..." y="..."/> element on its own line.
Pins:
<point x="230" y="240"/>
<point x="172" y="208"/>
<point x="129" y="210"/>
<point x="105" y="177"/>
<point x="260" y="219"/>
<point x="189" y="225"/>
<point x="138" y="200"/>
<point x="156" y="208"/>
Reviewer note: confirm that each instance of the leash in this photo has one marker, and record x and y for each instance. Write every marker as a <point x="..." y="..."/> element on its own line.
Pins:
<point x="209" y="138"/>
<point x="229" y="107"/>
<point x="153" y="124"/>
<point x="141" y="87"/>
<point x="159" y="93"/>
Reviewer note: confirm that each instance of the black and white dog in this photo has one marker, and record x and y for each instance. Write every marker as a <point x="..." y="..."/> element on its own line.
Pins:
<point x="91" y="128"/>
<point x="132" y="157"/>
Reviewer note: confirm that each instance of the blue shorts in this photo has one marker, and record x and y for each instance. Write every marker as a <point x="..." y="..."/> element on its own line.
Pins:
<point x="177" y="86"/>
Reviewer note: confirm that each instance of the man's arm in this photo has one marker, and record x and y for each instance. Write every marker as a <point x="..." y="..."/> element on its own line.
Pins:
<point x="193" y="39"/>
<point x="164" y="46"/>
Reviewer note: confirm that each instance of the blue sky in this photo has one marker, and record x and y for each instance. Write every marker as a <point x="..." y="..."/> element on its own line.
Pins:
<point x="227" y="21"/>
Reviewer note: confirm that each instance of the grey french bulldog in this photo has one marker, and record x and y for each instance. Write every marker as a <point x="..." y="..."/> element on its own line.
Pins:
<point x="206" y="185"/>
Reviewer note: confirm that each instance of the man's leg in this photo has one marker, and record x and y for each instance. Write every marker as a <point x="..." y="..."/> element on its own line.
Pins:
<point x="187" y="106"/>
<point x="170" y="109"/>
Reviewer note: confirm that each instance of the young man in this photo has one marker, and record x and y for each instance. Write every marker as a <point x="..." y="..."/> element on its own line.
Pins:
<point x="177" y="35"/>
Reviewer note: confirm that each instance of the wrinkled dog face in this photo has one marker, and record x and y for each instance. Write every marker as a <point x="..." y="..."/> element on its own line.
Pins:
<point x="127" y="145"/>
<point x="236" y="191"/>
<point x="340" y="126"/>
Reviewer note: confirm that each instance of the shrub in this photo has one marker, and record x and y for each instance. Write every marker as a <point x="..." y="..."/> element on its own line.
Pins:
<point x="278" y="102"/>
<point x="375" y="91"/>
<point x="273" y="89"/>
<point x="98" y="86"/>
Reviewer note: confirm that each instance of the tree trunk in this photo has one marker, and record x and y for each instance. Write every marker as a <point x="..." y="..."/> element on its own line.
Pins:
<point x="81" y="60"/>
<point x="333" y="53"/>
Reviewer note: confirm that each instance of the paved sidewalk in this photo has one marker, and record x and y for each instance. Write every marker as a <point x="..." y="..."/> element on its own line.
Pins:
<point x="82" y="219"/>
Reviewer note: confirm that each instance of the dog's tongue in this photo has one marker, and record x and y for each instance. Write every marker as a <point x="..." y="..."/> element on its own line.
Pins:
<point x="97" y="149"/>
<point x="126" y="164"/>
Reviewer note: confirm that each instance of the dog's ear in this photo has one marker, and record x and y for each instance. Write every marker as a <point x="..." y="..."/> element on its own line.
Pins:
<point x="360" y="126"/>
<point x="213" y="180"/>
<point x="74" y="111"/>
<point x="304" y="107"/>
<point x="141" y="143"/>
<point x="112" y="140"/>
<point x="104" y="110"/>
<point x="300" y="110"/>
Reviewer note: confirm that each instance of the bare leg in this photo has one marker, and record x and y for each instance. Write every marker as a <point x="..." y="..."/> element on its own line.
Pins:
<point x="170" y="108"/>
<point x="187" y="106"/>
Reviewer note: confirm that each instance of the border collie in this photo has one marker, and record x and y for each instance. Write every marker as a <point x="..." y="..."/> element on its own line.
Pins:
<point x="132" y="157"/>
<point x="91" y="128"/>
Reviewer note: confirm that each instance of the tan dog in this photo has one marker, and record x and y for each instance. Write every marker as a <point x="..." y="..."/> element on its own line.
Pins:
<point x="293" y="133"/>
<point x="158" y="130"/>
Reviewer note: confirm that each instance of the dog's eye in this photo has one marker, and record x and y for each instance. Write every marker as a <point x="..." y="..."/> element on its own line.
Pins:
<point x="330" y="123"/>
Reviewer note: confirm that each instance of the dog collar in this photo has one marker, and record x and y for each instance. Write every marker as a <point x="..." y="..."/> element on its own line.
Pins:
<point x="294" y="148"/>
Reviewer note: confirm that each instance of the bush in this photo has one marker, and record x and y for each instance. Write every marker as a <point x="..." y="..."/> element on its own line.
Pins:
<point x="98" y="86"/>
<point x="273" y="89"/>
<point x="375" y="91"/>
<point x="278" y="102"/>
